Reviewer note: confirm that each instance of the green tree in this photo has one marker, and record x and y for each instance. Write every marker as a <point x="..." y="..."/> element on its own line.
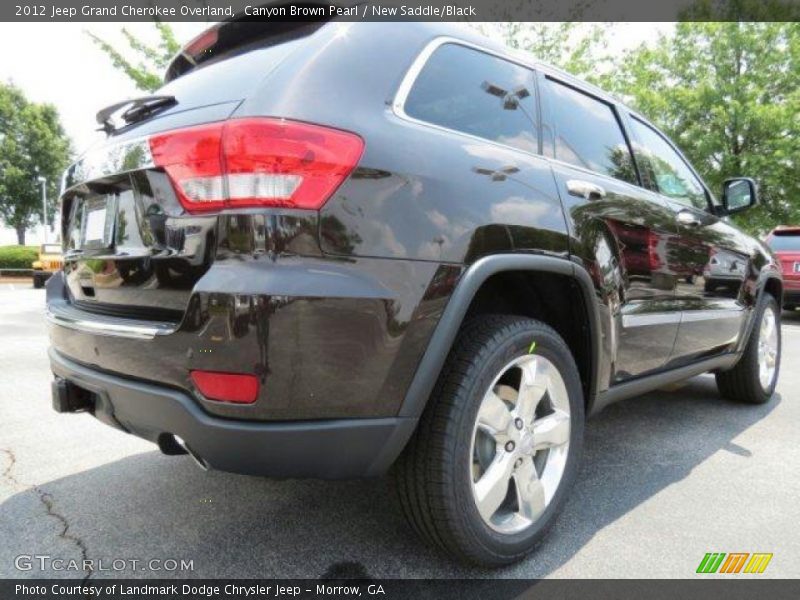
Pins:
<point x="147" y="68"/>
<point x="579" y="48"/>
<point x="32" y="145"/>
<point x="729" y="95"/>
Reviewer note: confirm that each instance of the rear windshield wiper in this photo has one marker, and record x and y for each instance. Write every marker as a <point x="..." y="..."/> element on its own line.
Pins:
<point x="137" y="109"/>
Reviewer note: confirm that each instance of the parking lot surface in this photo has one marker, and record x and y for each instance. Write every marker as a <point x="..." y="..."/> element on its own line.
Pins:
<point x="666" y="477"/>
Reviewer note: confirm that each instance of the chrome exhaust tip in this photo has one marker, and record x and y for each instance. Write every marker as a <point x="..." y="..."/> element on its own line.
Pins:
<point x="197" y="459"/>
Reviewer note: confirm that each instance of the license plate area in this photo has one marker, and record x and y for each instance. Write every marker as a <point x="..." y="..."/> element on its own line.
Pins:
<point x="98" y="219"/>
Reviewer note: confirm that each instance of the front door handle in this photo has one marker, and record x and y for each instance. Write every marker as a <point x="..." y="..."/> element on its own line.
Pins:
<point x="585" y="190"/>
<point x="688" y="218"/>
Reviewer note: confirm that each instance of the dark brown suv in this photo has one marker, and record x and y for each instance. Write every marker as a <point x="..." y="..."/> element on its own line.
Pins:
<point x="326" y="250"/>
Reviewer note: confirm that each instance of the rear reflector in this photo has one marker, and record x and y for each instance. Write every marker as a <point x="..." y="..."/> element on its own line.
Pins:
<point x="256" y="162"/>
<point x="226" y="387"/>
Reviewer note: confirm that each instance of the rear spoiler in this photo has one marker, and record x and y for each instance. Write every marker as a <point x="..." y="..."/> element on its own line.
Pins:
<point x="237" y="36"/>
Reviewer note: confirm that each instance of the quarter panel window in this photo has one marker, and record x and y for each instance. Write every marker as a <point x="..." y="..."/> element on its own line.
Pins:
<point x="476" y="93"/>
<point x="587" y="133"/>
<point x="664" y="167"/>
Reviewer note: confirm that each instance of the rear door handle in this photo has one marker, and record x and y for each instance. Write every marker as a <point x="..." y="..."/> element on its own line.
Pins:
<point x="687" y="218"/>
<point x="585" y="190"/>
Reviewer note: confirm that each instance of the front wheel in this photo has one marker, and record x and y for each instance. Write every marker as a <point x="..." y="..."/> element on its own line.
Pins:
<point x="755" y="376"/>
<point x="498" y="446"/>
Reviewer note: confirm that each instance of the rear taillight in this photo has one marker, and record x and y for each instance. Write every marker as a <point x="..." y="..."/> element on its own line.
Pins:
<point x="202" y="43"/>
<point x="256" y="162"/>
<point x="239" y="388"/>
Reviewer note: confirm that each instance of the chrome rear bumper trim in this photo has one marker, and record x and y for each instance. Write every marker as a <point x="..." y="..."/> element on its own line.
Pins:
<point x="136" y="330"/>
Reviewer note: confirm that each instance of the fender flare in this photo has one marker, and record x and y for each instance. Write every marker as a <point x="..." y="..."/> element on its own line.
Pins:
<point x="765" y="276"/>
<point x="761" y="283"/>
<point x="470" y="282"/>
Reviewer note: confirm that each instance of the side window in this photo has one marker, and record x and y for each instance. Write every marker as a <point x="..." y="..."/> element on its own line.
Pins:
<point x="473" y="92"/>
<point x="587" y="133"/>
<point x="666" y="169"/>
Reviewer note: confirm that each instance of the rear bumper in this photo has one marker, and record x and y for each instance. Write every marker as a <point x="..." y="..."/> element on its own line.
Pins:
<point x="329" y="339"/>
<point x="329" y="449"/>
<point x="791" y="296"/>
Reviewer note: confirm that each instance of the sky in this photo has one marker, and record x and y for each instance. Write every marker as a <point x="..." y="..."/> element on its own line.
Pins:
<point x="58" y="63"/>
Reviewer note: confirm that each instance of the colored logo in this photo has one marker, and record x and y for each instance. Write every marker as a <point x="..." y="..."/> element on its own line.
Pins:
<point x="734" y="562"/>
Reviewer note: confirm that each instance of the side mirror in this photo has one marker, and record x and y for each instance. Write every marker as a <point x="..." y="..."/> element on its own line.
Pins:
<point x="738" y="194"/>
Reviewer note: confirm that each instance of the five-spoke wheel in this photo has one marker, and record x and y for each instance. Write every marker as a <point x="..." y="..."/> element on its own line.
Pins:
<point x="768" y="347"/>
<point x="754" y="377"/>
<point x="520" y="443"/>
<point x="497" y="448"/>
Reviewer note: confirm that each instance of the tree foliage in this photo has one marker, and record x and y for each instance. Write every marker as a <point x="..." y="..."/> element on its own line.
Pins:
<point x="580" y="48"/>
<point x="32" y="144"/>
<point x="147" y="68"/>
<point x="729" y="95"/>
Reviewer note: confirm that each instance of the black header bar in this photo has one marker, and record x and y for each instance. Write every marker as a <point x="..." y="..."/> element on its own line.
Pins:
<point x="735" y="588"/>
<point x="400" y="10"/>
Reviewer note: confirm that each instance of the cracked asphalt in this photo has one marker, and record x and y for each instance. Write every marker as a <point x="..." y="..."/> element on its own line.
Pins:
<point x="666" y="478"/>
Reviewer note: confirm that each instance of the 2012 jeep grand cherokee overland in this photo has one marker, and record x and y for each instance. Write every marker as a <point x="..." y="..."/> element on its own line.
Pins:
<point x="325" y="250"/>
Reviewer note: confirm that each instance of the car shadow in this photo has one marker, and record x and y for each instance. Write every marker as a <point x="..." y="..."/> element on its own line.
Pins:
<point x="152" y="506"/>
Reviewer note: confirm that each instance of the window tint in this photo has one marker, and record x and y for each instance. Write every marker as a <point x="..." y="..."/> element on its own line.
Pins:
<point x="666" y="169"/>
<point x="587" y="133"/>
<point x="476" y="93"/>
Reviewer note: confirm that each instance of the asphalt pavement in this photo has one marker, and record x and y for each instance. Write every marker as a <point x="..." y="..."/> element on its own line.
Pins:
<point x="666" y="478"/>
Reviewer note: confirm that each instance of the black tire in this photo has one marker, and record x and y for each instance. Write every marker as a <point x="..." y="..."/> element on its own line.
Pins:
<point x="742" y="383"/>
<point x="433" y="477"/>
<point x="38" y="281"/>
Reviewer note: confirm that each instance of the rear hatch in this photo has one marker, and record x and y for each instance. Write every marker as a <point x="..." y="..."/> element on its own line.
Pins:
<point x="131" y="247"/>
<point x="785" y="243"/>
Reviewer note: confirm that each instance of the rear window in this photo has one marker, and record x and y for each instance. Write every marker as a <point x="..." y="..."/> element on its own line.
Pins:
<point x="474" y="92"/>
<point x="789" y="241"/>
<point x="588" y="134"/>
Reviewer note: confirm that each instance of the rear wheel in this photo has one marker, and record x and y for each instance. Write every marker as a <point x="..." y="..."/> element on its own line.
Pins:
<point x="754" y="377"/>
<point x="38" y="281"/>
<point x="498" y="446"/>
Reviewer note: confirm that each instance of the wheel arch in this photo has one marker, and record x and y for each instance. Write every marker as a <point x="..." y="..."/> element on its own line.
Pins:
<point x="774" y="285"/>
<point x="769" y="281"/>
<point x="462" y="301"/>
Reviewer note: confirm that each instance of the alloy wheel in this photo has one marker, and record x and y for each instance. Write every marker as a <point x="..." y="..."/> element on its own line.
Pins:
<point x="520" y="443"/>
<point x="768" y="348"/>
